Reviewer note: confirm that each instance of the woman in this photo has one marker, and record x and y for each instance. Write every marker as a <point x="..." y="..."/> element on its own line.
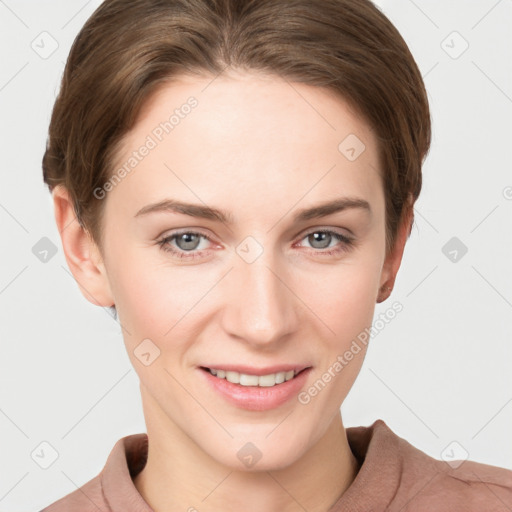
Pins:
<point x="237" y="179"/>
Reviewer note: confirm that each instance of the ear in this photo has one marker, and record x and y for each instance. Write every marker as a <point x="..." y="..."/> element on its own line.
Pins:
<point x="82" y="254"/>
<point x="394" y="257"/>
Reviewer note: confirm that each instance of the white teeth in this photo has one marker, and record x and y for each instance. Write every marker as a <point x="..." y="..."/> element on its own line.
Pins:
<point x="266" y="380"/>
<point x="254" y="380"/>
<point x="280" y="377"/>
<point x="249" y="380"/>
<point x="233" y="377"/>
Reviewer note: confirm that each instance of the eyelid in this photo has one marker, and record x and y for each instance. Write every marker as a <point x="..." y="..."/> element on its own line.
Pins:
<point x="192" y="231"/>
<point x="326" y="229"/>
<point x="346" y="242"/>
<point x="198" y="231"/>
<point x="179" y="231"/>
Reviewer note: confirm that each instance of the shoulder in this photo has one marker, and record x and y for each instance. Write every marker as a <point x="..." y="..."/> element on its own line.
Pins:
<point x="112" y="488"/>
<point x="87" y="498"/>
<point x="433" y="484"/>
<point x="472" y="486"/>
<point x="398" y="477"/>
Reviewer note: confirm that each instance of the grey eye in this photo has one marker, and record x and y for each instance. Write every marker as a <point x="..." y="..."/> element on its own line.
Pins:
<point x="320" y="238"/>
<point x="188" y="241"/>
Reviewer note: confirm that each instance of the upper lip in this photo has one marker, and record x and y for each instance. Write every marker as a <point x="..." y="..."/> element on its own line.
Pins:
<point x="252" y="370"/>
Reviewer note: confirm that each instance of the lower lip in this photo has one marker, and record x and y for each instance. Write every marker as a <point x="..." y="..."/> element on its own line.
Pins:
<point x="257" y="398"/>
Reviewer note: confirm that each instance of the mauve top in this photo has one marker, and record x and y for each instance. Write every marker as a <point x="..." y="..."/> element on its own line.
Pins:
<point x="394" y="476"/>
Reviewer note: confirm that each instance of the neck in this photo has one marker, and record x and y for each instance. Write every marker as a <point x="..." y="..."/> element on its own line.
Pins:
<point x="180" y="476"/>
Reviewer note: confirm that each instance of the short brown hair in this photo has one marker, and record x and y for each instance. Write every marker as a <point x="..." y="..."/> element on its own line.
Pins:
<point x="128" y="48"/>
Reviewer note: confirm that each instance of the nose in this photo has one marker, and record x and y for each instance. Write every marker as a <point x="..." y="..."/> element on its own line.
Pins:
<point x="260" y="309"/>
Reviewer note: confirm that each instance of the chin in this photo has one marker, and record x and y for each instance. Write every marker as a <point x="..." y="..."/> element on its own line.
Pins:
<point x="254" y="453"/>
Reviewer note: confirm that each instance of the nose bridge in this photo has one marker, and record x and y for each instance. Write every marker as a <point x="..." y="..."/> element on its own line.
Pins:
<point x="261" y="308"/>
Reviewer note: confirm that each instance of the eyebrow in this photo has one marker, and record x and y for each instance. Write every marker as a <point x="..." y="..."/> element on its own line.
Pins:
<point x="216" y="214"/>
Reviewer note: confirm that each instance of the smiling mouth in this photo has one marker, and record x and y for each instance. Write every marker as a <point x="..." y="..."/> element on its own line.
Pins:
<point x="243" y="379"/>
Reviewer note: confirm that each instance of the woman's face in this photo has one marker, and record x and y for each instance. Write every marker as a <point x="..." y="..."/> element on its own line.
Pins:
<point x="267" y="279"/>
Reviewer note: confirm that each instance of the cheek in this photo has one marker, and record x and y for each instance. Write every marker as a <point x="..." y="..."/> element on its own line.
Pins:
<point x="152" y="307"/>
<point x="343" y="297"/>
<point x="159" y="301"/>
<point x="344" y="300"/>
<point x="147" y="304"/>
<point x="139" y="298"/>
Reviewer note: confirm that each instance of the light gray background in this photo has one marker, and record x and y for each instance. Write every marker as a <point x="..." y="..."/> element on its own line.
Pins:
<point x="438" y="373"/>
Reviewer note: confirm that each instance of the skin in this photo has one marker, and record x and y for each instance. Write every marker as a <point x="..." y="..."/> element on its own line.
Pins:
<point x="261" y="149"/>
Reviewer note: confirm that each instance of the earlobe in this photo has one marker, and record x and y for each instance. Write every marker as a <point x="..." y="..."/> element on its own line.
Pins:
<point x="394" y="258"/>
<point x="81" y="252"/>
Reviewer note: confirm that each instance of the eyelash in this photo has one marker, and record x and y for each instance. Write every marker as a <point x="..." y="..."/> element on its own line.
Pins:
<point x="346" y="245"/>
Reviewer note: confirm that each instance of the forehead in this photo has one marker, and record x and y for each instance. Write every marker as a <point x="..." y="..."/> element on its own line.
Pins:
<point x="248" y="138"/>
